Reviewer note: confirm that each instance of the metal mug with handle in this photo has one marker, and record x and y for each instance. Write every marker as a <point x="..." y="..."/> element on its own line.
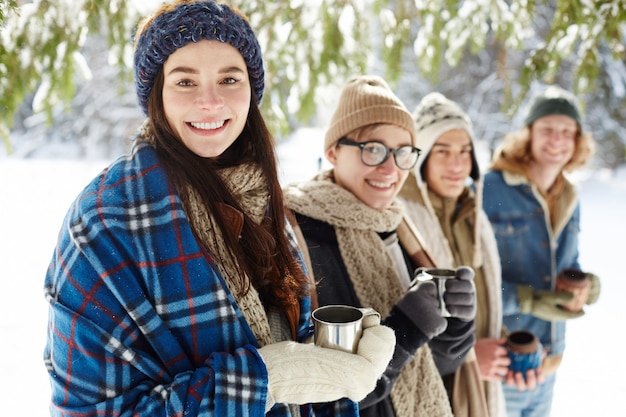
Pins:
<point x="439" y="277"/>
<point x="340" y="326"/>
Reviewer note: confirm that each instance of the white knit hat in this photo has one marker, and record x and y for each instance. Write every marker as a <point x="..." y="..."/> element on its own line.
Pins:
<point x="434" y="116"/>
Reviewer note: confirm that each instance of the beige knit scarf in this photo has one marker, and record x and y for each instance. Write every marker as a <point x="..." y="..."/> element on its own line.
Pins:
<point x="418" y="390"/>
<point x="248" y="184"/>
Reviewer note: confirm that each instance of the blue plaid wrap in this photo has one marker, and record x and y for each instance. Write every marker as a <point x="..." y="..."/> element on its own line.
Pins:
<point x="141" y="323"/>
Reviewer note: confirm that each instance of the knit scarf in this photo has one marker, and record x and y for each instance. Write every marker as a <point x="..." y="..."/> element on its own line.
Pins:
<point x="418" y="390"/>
<point x="248" y="184"/>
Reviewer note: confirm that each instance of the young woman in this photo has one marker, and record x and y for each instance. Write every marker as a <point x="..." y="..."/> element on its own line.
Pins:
<point x="448" y="213"/>
<point x="363" y="251"/>
<point x="176" y="287"/>
<point x="535" y="214"/>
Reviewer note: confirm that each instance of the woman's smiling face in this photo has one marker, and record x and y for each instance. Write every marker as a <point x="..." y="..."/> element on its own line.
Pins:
<point x="206" y="95"/>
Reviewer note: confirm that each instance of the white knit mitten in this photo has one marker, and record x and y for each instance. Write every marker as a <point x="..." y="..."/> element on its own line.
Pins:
<point x="301" y="373"/>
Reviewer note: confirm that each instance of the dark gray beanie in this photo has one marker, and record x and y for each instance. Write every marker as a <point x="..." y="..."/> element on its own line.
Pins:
<point x="553" y="100"/>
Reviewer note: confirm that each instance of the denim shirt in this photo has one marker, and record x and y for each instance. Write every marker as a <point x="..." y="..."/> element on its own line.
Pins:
<point x="531" y="252"/>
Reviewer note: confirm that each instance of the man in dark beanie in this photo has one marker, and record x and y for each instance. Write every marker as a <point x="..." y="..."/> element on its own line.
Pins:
<point x="535" y="212"/>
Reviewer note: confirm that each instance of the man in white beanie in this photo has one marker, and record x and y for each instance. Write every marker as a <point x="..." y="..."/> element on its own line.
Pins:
<point x="447" y="211"/>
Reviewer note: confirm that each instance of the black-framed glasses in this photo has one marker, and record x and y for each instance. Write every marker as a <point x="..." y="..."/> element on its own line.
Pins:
<point x="375" y="153"/>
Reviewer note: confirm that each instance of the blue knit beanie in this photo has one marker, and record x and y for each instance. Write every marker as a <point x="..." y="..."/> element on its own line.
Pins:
<point x="175" y="25"/>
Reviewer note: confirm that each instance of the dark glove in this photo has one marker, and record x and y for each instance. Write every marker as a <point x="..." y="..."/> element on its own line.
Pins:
<point x="594" y="292"/>
<point x="450" y="348"/>
<point x="421" y="305"/>
<point x="545" y="304"/>
<point x="460" y="295"/>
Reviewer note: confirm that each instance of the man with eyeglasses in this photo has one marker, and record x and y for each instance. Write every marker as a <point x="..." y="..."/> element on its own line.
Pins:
<point x="363" y="250"/>
<point x="374" y="153"/>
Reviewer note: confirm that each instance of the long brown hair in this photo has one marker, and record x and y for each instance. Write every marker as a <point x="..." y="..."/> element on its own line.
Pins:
<point x="263" y="256"/>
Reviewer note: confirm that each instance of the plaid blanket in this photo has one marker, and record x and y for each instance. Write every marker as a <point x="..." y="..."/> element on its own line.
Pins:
<point x="141" y="323"/>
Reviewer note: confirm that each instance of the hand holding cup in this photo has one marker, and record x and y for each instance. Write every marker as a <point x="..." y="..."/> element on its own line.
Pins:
<point x="341" y="327"/>
<point x="526" y="354"/>
<point x="578" y="284"/>
<point x="439" y="278"/>
<point x="456" y="294"/>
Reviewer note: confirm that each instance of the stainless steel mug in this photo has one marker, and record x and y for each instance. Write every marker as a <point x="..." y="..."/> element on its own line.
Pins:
<point x="439" y="277"/>
<point x="340" y="326"/>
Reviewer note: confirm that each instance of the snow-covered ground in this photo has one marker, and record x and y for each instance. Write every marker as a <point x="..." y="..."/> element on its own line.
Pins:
<point x="35" y="194"/>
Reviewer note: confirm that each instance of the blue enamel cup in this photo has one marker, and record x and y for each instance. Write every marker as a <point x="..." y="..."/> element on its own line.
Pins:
<point x="524" y="350"/>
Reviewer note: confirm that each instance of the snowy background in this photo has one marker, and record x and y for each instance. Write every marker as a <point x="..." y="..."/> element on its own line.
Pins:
<point x="36" y="193"/>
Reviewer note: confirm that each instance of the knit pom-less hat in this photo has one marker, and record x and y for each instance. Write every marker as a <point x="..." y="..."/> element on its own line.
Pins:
<point x="434" y="116"/>
<point x="553" y="100"/>
<point x="175" y="25"/>
<point x="367" y="100"/>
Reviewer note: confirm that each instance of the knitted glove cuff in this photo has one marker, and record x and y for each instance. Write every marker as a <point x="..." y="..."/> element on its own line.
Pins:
<point x="457" y="329"/>
<point x="594" y="292"/>
<point x="409" y="336"/>
<point x="525" y="298"/>
<point x="456" y="341"/>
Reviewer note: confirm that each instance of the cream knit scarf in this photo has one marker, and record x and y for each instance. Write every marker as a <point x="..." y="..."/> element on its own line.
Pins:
<point x="418" y="390"/>
<point x="248" y="184"/>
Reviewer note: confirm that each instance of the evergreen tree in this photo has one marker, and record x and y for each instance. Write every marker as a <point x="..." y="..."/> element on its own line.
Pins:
<point x="311" y="46"/>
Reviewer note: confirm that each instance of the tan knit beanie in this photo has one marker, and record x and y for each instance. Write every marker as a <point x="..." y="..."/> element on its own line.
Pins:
<point x="367" y="100"/>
